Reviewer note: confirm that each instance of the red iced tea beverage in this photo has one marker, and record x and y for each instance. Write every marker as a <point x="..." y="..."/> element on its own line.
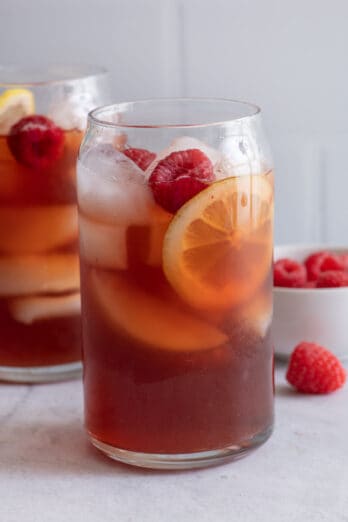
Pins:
<point x="41" y="129"/>
<point x="176" y="258"/>
<point x="39" y="278"/>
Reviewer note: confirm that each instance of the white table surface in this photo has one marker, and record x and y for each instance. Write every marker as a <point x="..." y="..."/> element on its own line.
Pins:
<point x="49" y="472"/>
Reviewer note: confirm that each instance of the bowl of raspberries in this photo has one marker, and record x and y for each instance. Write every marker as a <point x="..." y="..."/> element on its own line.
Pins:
<point x="310" y="298"/>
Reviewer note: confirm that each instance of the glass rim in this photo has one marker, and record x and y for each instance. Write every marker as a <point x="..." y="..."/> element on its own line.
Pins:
<point x="96" y="120"/>
<point x="59" y="72"/>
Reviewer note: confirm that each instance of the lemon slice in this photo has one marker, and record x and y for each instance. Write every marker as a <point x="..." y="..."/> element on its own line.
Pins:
<point x="31" y="309"/>
<point x="218" y="247"/>
<point x="39" y="274"/>
<point x="102" y="244"/>
<point x="149" y="319"/>
<point x="37" y="229"/>
<point x="14" y="105"/>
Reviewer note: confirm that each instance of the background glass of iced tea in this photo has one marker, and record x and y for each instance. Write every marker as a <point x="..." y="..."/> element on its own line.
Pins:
<point x="43" y="114"/>
<point x="175" y="212"/>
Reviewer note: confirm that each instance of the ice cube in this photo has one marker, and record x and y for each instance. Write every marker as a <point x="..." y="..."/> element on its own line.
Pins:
<point x="184" y="143"/>
<point x="257" y="314"/>
<point x="112" y="188"/>
<point x="103" y="245"/>
<point x="23" y="275"/>
<point x="240" y="156"/>
<point x="30" y="309"/>
<point x="68" y="116"/>
<point x="32" y="230"/>
<point x="71" y="105"/>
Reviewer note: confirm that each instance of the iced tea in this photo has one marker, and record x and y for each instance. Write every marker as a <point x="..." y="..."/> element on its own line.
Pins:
<point x="176" y="258"/>
<point x="43" y="114"/>
<point x="39" y="278"/>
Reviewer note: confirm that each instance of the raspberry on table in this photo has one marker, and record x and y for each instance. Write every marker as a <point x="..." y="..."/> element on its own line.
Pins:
<point x="141" y="157"/>
<point x="321" y="262"/>
<point x="314" y="369"/>
<point x="36" y="141"/>
<point x="179" y="177"/>
<point x="289" y="273"/>
<point x="332" y="279"/>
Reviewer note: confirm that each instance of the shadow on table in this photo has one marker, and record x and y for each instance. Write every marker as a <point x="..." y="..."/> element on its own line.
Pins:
<point x="284" y="390"/>
<point x="62" y="448"/>
<point x="57" y="449"/>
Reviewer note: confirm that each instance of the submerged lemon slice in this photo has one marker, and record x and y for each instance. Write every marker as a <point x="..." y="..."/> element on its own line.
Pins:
<point x="218" y="247"/>
<point x="30" y="309"/>
<point x="38" y="274"/>
<point x="149" y="319"/>
<point x="36" y="229"/>
<point x="14" y="105"/>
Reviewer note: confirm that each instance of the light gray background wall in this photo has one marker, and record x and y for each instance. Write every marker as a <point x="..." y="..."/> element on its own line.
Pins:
<point x="289" y="56"/>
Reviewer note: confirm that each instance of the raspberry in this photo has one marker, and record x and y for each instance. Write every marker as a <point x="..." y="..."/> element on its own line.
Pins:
<point x="289" y="273"/>
<point x="332" y="279"/>
<point x="35" y="141"/>
<point x="331" y="262"/>
<point x="309" y="284"/>
<point x="344" y="260"/>
<point x="179" y="177"/>
<point x="321" y="262"/>
<point x="314" y="369"/>
<point x="142" y="157"/>
<point x="312" y="264"/>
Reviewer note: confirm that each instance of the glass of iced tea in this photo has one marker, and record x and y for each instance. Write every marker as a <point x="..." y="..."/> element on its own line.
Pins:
<point x="43" y="114"/>
<point x="175" y="213"/>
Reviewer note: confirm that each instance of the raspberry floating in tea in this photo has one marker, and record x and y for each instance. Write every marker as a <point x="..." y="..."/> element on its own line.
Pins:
<point x="141" y="157"/>
<point x="179" y="177"/>
<point x="35" y="141"/>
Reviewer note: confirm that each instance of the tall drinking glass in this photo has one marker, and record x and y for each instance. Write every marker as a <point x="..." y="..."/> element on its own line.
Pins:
<point x="175" y="212"/>
<point x="43" y="114"/>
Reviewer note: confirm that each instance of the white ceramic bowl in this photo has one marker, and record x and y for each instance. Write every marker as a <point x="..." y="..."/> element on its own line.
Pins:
<point x="318" y="315"/>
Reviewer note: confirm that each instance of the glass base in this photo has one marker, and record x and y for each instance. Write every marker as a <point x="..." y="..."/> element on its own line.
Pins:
<point x="59" y="372"/>
<point x="169" y="461"/>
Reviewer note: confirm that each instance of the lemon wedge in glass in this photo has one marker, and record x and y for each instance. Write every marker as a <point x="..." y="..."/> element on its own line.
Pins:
<point x="218" y="247"/>
<point x="14" y="105"/>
